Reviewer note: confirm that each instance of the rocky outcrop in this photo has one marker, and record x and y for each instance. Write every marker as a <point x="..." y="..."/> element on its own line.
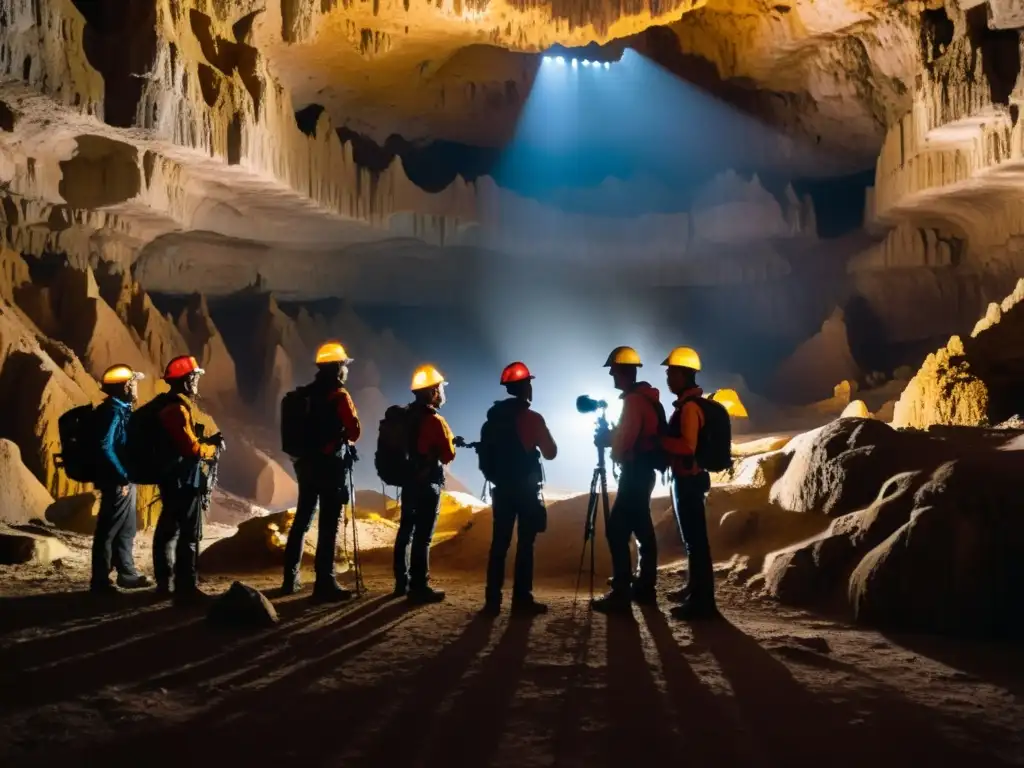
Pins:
<point x="971" y="381"/>
<point x="817" y="365"/>
<point x="204" y="341"/>
<point x="22" y="497"/>
<point x="250" y="473"/>
<point x="23" y="547"/>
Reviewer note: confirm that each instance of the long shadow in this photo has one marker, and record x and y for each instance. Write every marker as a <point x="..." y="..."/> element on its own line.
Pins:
<point x="709" y="735"/>
<point x="1000" y="663"/>
<point x="480" y="713"/>
<point x="792" y="726"/>
<point x="401" y="739"/>
<point x="55" y="608"/>
<point x="281" y="721"/>
<point x="569" y="738"/>
<point x="640" y="730"/>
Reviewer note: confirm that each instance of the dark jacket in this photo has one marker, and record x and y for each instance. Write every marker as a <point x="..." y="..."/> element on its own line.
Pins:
<point x="112" y="426"/>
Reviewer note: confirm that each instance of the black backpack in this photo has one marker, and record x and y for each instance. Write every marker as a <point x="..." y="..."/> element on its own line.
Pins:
<point x="714" y="441"/>
<point x="150" y="455"/>
<point x="79" y="444"/>
<point x="306" y="425"/>
<point x="502" y="457"/>
<point x="393" y="459"/>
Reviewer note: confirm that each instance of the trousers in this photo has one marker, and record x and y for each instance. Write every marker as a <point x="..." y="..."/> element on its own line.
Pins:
<point x="421" y="504"/>
<point x="522" y="508"/>
<point x="631" y="516"/>
<point x="176" y="538"/>
<point x="320" y="485"/>
<point x="116" y="526"/>
<point x="688" y="493"/>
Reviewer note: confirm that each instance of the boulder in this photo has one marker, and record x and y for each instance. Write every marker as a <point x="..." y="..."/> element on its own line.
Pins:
<point x="21" y="547"/>
<point x="76" y="513"/>
<point x="258" y="545"/>
<point x="242" y="607"/>
<point x="22" y="496"/>
<point x="955" y="565"/>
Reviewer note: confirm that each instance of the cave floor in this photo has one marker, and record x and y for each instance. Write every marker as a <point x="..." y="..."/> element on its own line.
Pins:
<point x="127" y="680"/>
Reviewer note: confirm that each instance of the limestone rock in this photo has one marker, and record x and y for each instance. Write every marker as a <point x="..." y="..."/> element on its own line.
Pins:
<point x="811" y="372"/>
<point x="242" y="607"/>
<point x="857" y="409"/>
<point x="22" y="496"/>
<point x="258" y="545"/>
<point x="75" y="513"/>
<point x="206" y="343"/>
<point x="20" y="547"/>
<point x="250" y="473"/>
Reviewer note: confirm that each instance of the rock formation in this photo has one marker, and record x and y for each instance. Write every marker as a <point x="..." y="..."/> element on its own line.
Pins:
<point x="813" y="370"/>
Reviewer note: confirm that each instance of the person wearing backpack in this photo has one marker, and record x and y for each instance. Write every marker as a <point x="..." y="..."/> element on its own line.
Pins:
<point x="512" y="442"/>
<point x="116" y="523"/>
<point x="330" y="425"/>
<point x="180" y="527"/>
<point x="635" y="447"/>
<point x="431" y="446"/>
<point x="690" y="484"/>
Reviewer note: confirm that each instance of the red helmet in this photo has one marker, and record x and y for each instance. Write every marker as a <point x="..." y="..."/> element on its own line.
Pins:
<point x="515" y="372"/>
<point x="180" y="367"/>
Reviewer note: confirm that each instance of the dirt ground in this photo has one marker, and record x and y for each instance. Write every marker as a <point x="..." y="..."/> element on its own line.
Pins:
<point x="127" y="680"/>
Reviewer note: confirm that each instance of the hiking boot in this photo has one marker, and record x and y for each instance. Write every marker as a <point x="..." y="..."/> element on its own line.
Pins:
<point x="645" y="595"/>
<point x="163" y="589"/>
<point x="695" y="611"/>
<point x="491" y="608"/>
<point x="613" y="602"/>
<point x="331" y="592"/>
<point x="679" y="596"/>
<point x="400" y="590"/>
<point x="133" y="581"/>
<point x="423" y="595"/>
<point x="528" y="607"/>
<point x="104" y="588"/>
<point x="291" y="587"/>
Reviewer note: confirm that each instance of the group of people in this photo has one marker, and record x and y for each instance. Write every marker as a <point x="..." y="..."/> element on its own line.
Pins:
<point x="513" y="442"/>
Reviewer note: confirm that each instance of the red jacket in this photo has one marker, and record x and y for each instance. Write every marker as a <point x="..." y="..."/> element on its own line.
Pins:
<point x="637" y="430"/>
<point x="683" y="429"/>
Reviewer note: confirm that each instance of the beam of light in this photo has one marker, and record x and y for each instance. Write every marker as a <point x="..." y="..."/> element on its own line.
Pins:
<point x="607" y="65"/>
<point x="547" y="59"/>
<point x="586" y="62"/>
<point x="574" y="63"/>
<point x="559" y="60"/>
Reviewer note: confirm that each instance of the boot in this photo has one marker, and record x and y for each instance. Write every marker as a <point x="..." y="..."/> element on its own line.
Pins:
<point x="291" y="586"/>
<point x="425" y="594"/>
<point x="693" y="610"/>
<point x="132" y="581"/>
<point x="400" y="590"/>
<point x="104" y="588"/>
<point x="163" y="589"/>
<point x="645" y="595"/>
<point x="616" y="601"/>
<point x="527" y="606"/>
<point x="491" y="608"/>
<point x="331" y="592"/>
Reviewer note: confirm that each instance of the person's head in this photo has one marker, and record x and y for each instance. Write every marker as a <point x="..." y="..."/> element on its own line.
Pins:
<point x="182" y="375"/>
<point x="332" y="362"/>
<point x="428" y="386"/>
<point x="622" y="365"/>
<point x="682" y="365"/>
<point x="122" y="383"/>
<point x="518" y="381"/>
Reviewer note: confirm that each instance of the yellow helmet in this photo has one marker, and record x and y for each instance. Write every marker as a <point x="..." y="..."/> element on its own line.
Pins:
<point x="425" y="377"/>
<point x="730" y="400"/>
<point x="623" y="356"/>
<point x="683" y="357"/>
<point x="332" y="352"/>
<point x="121" y="374"/>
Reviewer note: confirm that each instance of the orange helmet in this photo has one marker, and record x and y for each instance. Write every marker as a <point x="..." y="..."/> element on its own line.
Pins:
<point x="180" y="367"/>
<point x="516" y="372"/>
<point x="332" y="352"/>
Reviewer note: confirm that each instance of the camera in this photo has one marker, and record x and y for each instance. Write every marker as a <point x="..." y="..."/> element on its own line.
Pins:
<point x="587" y="404"/>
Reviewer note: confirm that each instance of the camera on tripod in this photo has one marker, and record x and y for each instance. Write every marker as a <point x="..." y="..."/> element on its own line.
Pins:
<point x="587" y="404"/>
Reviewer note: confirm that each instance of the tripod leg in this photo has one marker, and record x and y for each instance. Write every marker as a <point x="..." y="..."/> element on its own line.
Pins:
<point x="588" y="538"/>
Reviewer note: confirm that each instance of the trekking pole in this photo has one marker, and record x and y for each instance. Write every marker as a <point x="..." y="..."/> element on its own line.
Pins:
<point x="356" y="565"/>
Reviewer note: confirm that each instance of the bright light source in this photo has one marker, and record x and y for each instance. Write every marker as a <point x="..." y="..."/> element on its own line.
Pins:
<point x="607" y="65"/>
<point x="559" y="60"/>
<point x="574" y="62"/>
<point x="586" y="63"/>
<point x="547" y="59"/>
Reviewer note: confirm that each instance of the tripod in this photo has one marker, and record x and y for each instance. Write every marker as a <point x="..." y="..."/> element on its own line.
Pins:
<point x="356" y="564"/>
<point x="598" y="491"/>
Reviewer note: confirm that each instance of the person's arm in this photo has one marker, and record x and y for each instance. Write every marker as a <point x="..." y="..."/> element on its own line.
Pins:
<point x="108" y="447"/>
<point x="436" y="439"/>
<point x="175" y="419"/>
<point x="534" y="434"/>
<point x="348" y="415"/>
<point x="685" y="445"/>
<point x="625" y="435"/>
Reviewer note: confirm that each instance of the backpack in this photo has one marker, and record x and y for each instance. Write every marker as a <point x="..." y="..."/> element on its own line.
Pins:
<point x="304" y="422"/>
<point x="659" y="457"/>
<point x="503" y="459"/>
<point x="79" y="444"/>
<point x="393" y="459"/>
<point x="714" y="441"/>
<point x="150" y="456"/>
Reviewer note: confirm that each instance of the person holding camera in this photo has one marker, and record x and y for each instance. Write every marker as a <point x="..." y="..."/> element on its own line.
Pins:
<point x="635" y="447"/>
<point x="180" y="527"/>
<point x="333" y="427"/>
<point x="512" y="442"/>
<point x="690" y="485"/>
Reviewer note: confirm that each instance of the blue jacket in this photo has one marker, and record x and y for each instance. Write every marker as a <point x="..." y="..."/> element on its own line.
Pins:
<point x="112" y="426"/>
